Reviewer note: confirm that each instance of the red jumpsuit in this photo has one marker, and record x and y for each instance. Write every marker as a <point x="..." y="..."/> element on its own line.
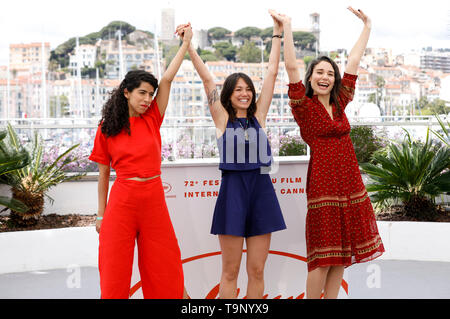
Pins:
<point x="137" y="211"/>
<point x="340" y="224"/>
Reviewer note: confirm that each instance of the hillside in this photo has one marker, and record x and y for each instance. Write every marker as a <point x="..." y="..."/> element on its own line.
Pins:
<point x="222" y="44"/>
<point x="61" y="54"/>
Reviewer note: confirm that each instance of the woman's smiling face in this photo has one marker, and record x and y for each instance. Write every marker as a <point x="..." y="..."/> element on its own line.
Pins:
<point x="322" y="78"/>
<point x="242" y="95"/>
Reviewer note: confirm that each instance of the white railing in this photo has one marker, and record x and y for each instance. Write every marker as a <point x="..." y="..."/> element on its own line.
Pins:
<point x="196" y="136"/>
<point x="70" y="123"/>
<point x="201" y="131"/>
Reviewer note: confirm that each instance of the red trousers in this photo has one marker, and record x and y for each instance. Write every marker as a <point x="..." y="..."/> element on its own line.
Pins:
<point x="137" y="211"/>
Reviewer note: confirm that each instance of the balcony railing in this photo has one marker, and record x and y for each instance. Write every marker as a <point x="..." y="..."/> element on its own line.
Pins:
<point x="195" y="137"/>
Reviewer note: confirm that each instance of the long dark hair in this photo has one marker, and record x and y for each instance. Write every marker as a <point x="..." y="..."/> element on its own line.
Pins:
<point x="227" y="91"/>
<point x="115" y="114"/>
<point x="337" y="80"/>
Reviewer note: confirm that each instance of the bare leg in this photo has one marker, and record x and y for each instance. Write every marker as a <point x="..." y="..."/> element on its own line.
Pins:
<point x="257" y="251"/>
<point x="231" y="247"/>
<point x="333" y="283"/>
<point x="315" y="282"/>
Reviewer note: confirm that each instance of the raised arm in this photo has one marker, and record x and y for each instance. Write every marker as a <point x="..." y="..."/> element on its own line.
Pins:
<point x="358" y="49"/>
<point x="290" y="61"/>
<point x="265" y="98"/>
<point x="162" y="97"/>
<point x="218" y="112"/>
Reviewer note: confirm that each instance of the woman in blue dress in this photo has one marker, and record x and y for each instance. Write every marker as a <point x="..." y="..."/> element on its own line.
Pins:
<point x="247" y="208"/>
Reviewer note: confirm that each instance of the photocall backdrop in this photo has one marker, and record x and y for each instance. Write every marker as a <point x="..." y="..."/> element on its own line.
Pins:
<point x="191" y="192"/>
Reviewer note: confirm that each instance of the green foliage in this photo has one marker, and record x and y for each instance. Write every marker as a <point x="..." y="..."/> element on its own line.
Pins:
<point x="207" y="55"/>
<point x="380" y="83"/>
<point x="150" y="34"/>
<point x="109" y="31"/>
<point x="445" y="135"/>
<point x="292" y="146"/>
<point x="437" y="106"/>
<point x="218" y="33"/>
<point x="266" y="33"/>
<point x="91" y="72"/>
<point x="59" y="105"/>
<point x="304" y="40"/>
<point x="365" y="142"/>
<point x="61" y="53"/>
<point x="10" y="161"/>
<point x="225" y="50"/>
<point x="169" y="52"/>
<point x="35" y="177"/>
<point x="249" y="53"/>
<point x="248" y="32"/>
<point x="307" y="60"/>
<point x="334" y="55"/>
<point x="411" y="172"/>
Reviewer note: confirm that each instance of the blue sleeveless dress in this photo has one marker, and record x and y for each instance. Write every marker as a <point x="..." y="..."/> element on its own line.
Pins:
<point x="247" y="204"/>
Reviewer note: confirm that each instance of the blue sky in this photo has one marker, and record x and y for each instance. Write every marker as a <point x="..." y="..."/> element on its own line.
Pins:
<point x="400" y="25"/>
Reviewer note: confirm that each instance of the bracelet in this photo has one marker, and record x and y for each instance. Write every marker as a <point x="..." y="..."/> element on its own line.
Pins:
<point x="99" y="218"/>
<point x="277" y="36"/>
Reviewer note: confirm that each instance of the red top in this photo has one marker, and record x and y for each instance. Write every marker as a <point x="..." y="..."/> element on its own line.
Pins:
<point x="135" y="155"/>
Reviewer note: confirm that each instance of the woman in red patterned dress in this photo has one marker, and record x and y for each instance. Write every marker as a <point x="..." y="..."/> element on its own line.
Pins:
<point x="340" y="224"/>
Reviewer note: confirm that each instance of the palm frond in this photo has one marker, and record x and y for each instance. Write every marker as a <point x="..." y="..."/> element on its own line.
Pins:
<point x="410" y="167"/>
<point x="446" y="138"/>
<point x="12" y="159"/>
<point x="14" y="141"/>
<point x="13" y="204"/>
<point x="37" y="177"/>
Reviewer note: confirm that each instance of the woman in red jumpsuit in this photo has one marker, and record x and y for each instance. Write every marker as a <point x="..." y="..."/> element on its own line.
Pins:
<point x="129" y="141"/>
<point x="340" y="224"/>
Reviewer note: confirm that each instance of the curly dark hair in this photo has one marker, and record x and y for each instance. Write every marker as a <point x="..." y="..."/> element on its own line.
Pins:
<point x="227" y="91"/>
<point x="115" y="113"/>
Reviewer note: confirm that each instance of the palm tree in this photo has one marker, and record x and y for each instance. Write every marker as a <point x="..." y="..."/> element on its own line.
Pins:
<point x="414" y="173"/>
<point x="11" y="160"/>
<point x="31" y="183"/>
<point x="380" y="83"/>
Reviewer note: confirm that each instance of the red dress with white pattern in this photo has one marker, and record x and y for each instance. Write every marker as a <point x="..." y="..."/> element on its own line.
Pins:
<point x="340" y="224"/>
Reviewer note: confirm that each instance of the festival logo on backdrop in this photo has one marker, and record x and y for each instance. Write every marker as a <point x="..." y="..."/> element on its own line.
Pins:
<point x="292" y="260"/>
